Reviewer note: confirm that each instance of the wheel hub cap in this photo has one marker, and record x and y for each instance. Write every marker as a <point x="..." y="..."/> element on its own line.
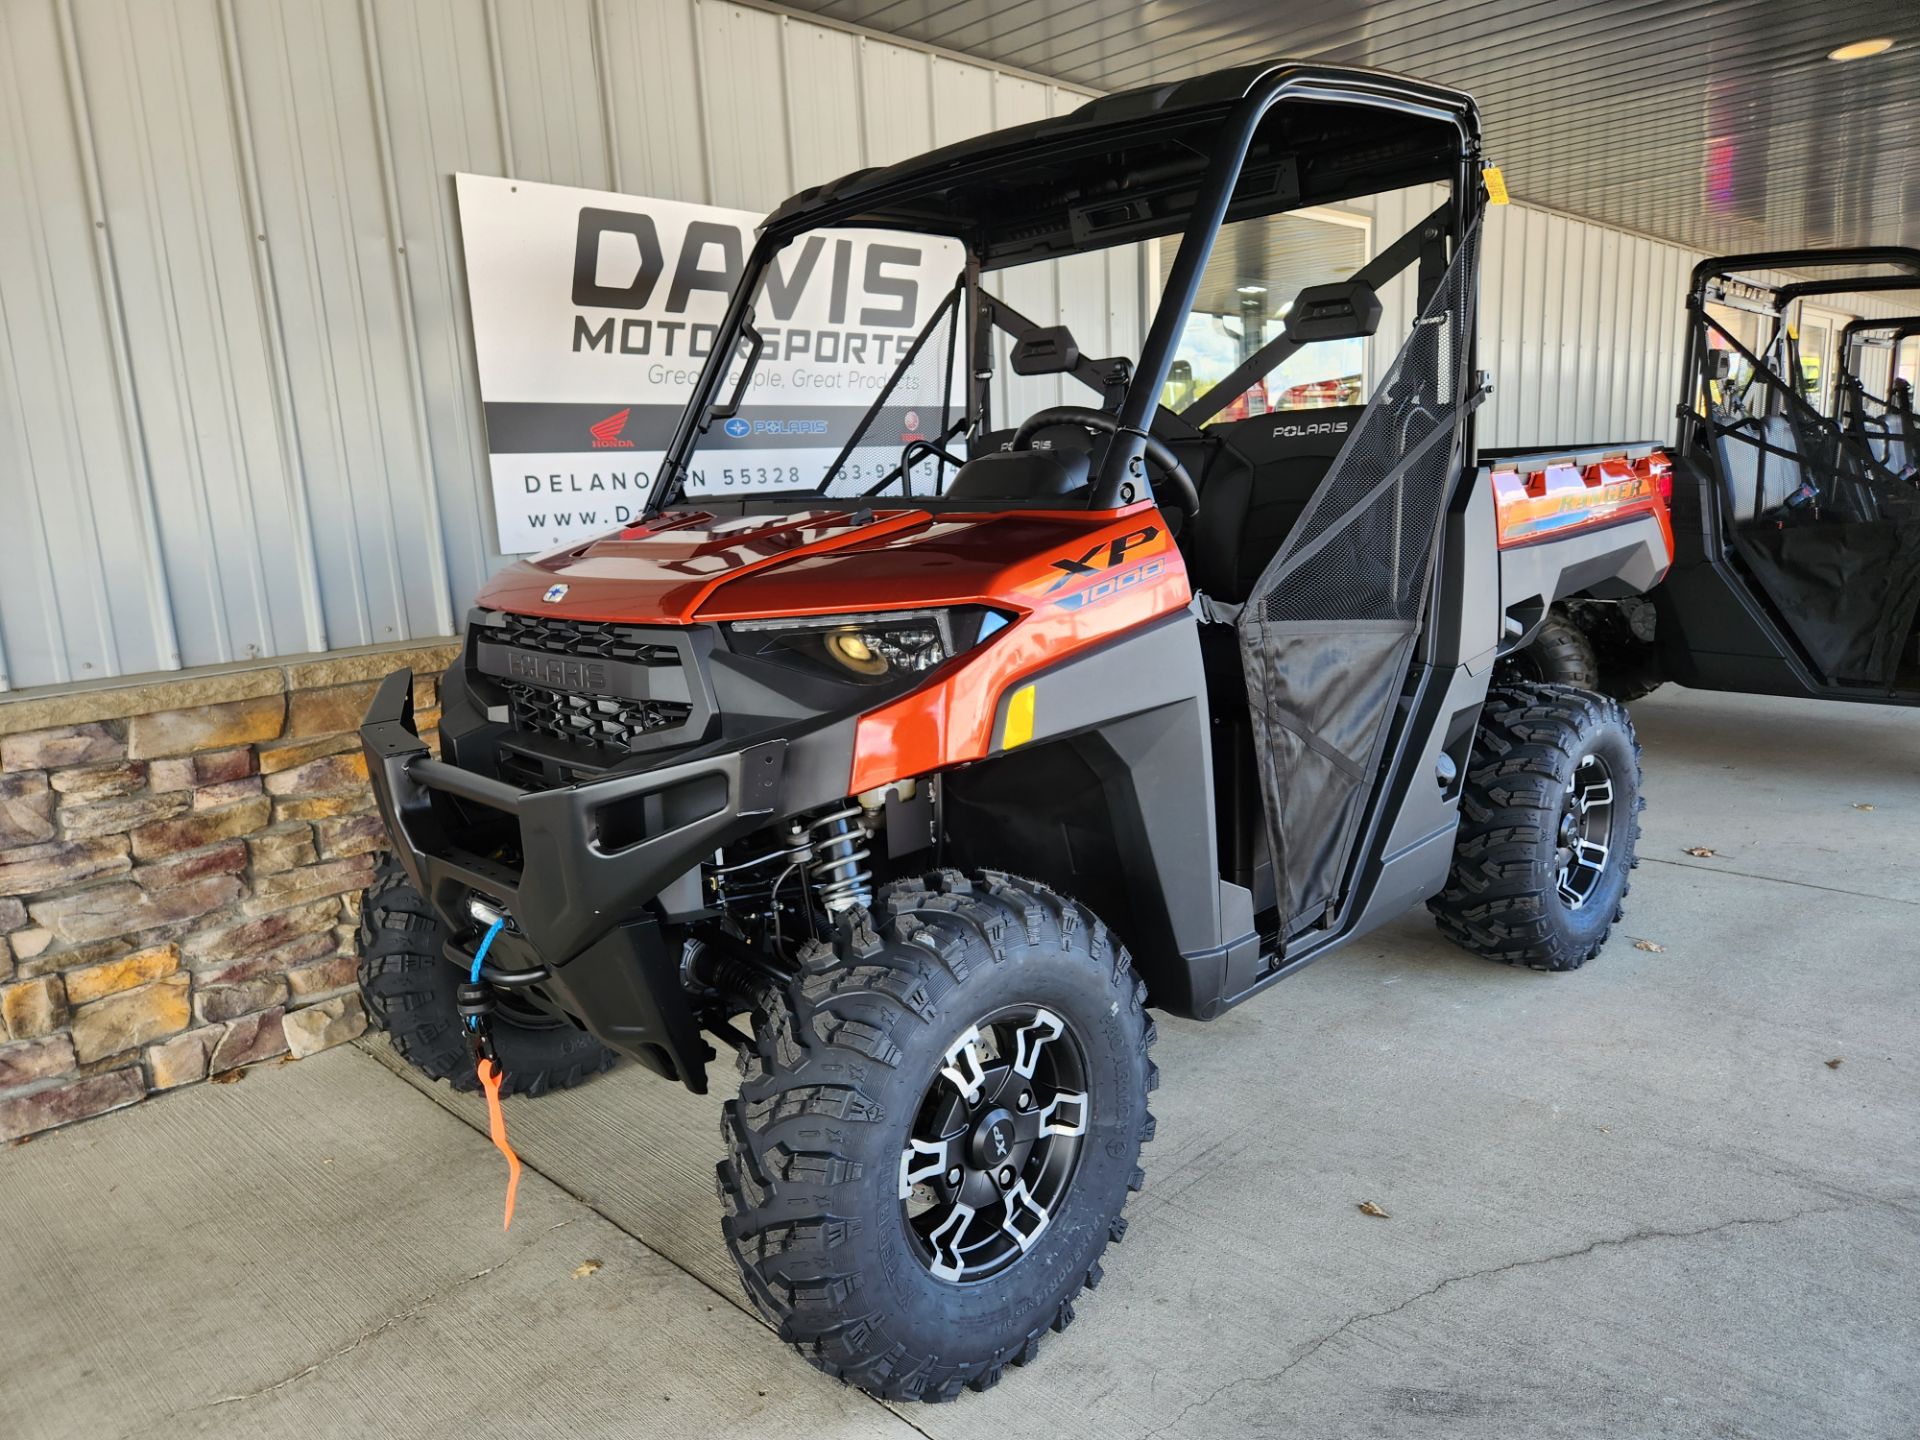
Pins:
<point x="995" y="1144"/>
<point x="1585" y="838"/>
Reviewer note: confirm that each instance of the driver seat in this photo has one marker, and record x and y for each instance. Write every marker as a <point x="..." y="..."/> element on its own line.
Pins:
<point x="1256" y="490"/>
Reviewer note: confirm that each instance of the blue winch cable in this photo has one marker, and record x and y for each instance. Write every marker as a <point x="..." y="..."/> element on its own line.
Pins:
<point x="479" y="956"/>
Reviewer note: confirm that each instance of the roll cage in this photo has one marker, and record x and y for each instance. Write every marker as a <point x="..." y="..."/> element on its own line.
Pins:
<point x="1852" y="397"/>
<point x="1181" y="159"/>
<point x="1748" y="282"/>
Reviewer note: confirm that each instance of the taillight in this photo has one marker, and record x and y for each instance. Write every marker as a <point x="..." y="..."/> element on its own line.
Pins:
<point x="1658" y="468"/>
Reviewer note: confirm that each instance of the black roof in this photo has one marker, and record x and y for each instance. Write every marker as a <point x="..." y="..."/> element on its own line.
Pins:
<point x="1126" y="167"/>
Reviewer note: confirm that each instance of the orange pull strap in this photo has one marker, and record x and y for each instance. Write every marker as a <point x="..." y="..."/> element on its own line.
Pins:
<point x="490" y="1078"/>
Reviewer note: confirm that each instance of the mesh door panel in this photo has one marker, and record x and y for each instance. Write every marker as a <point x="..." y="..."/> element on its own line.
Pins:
<point x="1363" y="546"/>
<point x="1328" y="631"/>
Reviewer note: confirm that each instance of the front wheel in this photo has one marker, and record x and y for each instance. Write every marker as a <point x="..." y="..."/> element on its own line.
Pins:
<point x="940" y="1125"/>
<point x="1549" y="818"/>
<point x="411" y="991"/>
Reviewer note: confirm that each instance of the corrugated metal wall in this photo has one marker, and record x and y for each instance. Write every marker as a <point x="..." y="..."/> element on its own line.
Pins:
<point x="238" y="415"/>
<point x="1581" y="327"/>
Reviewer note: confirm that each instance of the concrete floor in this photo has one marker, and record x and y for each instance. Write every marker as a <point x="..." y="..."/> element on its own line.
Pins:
<point x="1633" y="1201"/>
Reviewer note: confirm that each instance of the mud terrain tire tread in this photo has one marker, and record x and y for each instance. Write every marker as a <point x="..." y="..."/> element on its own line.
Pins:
<point x="1500" y="900"/>
<point x="409" y="991"/>
<point x="828" y="1046"/>
<point x="1560" y="654"/>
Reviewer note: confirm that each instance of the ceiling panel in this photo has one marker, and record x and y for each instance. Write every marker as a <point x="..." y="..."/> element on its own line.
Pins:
<point x="1719" y="124"/>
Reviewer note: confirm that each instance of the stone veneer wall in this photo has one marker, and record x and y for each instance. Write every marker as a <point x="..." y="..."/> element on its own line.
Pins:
<point x="180" y="873"/>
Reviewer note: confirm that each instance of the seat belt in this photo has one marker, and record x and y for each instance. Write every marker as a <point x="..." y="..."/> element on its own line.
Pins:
<point x="1414" y="245"/>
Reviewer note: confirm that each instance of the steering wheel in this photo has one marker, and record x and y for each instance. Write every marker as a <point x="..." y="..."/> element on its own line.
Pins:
<point x="1185" y="493"/>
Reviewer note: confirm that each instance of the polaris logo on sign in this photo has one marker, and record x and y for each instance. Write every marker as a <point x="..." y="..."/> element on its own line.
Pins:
<point x="738" y="428"/>
<point x="1300" y="432"/>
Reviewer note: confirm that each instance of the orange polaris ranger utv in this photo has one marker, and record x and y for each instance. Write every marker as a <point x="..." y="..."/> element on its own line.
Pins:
<point x="944" y="763"/>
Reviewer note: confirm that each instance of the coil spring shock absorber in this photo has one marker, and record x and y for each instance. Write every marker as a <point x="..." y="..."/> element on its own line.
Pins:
<point x="838" y="868"/>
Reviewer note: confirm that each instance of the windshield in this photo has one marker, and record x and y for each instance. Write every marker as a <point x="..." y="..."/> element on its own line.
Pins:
<point x="1256" y="270"/>
<point x="860" y="336"/>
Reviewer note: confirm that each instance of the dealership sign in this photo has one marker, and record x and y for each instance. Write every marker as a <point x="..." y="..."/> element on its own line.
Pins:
<point x="593" y="314"/>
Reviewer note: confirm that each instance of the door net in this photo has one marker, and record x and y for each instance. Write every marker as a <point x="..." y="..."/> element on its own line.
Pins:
<point x="1830" y="532"/>
<point x="1328" y="631"/>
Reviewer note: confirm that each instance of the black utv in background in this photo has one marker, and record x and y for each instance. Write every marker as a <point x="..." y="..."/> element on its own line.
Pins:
<point x="1796" y="532"/>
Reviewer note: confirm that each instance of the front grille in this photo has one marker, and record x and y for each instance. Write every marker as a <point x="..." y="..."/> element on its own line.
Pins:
<point x="607" y="721"/>
<point x="594" y="639"/>
<point x="611" y="724"/>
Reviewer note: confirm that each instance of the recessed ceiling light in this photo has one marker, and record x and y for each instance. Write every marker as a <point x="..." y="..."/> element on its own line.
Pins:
<point x="1253" y="289"/>
<point x="1861" y="49"/>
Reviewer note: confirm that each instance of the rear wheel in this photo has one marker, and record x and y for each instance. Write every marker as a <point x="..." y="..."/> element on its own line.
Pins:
<point x="940" y="1125"/>
<point x="1559" y="654"/>
<point x="1549" y="819"/>
<point x="1621" y="633"/>
<point x="410" y="990"/>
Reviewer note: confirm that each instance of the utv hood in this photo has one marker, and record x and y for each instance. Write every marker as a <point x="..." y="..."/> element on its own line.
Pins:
<point x="690" y="566"/>
<point x="664" y="571"/>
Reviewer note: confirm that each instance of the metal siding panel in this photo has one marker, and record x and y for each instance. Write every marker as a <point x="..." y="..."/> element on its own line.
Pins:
<point x="1562" y="315"/>
<point x="962" y="100"/>
<point x="1017" y="101"/>
<point x="1607" y="318"/>
<point x="823" y="111"/>
<point x="58" y="592"/>
<point x="340" y="301"/>
<point x="176" y="200"/>
<point x="1584" y="405"/>
<point x="745" y="105"/>
<point x="896" y="86"/>
<point x="655" y="86"/>
<point x="442" y="118"/>
<point x="1126" y="326"/>
<point x="552" y="88"/>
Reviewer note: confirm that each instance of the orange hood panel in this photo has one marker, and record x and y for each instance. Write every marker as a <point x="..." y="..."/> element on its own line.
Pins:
<point x="685" y="566"/>
<point x="662" y="572"/>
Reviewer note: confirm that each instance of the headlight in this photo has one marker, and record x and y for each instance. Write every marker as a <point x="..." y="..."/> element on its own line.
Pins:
<point x="872" y="647"/>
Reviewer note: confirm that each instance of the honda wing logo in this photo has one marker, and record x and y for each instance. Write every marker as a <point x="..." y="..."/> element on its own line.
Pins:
<point x="606" y="434"/>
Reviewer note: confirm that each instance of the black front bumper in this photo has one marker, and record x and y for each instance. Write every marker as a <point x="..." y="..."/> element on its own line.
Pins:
<point x="575" y="869"/>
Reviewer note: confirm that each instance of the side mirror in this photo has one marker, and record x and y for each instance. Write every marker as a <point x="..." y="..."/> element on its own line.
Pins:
<point x="1345" y="310"/>
<point x="1050" y="350"/>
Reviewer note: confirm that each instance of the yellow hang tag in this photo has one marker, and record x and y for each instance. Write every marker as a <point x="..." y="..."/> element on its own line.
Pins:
<point x="1496" y="184"/>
